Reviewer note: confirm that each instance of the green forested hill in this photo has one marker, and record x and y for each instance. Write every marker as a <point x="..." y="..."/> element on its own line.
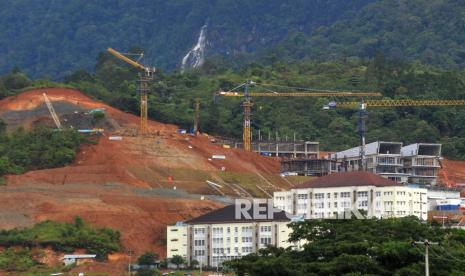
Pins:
<point x="53" y="38"/>
<point x="430" y="31"/>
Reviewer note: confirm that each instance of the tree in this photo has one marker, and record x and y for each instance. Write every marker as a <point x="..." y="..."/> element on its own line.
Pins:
<point x="194" y="263"/>
<point x="177" y="260"/>
<point x="148" y="258"/>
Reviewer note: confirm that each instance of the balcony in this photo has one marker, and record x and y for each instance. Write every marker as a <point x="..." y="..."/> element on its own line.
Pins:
<point x="388" y="161"/>
<point x="425" y="162"/>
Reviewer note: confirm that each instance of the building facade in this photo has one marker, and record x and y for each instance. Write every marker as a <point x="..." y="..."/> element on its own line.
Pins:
<point x="421" y="162"/>
<point x="382" y="158"/>
<point x="331" y="196"/>
<point x="415" y="163"/>
<point x="218" y="236"/>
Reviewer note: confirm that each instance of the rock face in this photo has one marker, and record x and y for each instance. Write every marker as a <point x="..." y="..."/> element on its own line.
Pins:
<point x="196" y="56"/>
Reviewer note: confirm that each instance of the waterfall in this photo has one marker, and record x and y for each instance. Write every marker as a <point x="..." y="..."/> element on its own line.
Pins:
<point x="196" y="55"/>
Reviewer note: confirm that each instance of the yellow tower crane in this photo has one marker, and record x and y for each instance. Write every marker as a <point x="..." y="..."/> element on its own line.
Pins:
<point x="196" y="116"/>
<point x="363" y="105"/>
<point x="143" y="88"/>
<point x="247" y="103"/>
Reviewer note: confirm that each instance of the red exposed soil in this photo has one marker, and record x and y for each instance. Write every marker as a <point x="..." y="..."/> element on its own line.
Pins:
<point x="137" y="161"/>
<point x="454" y="171"/>
<point x="110" y="183"/>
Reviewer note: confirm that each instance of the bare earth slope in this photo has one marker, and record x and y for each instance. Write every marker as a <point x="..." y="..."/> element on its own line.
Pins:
<point x="128" y="184"/>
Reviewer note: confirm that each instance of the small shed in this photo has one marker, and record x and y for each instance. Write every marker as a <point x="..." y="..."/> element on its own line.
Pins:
<point x="78" y="259"/>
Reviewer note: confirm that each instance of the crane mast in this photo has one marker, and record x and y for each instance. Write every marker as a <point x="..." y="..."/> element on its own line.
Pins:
<point x="54" y="115"/>
<point x="196" y="116"/>
<point x="143" y="86"/>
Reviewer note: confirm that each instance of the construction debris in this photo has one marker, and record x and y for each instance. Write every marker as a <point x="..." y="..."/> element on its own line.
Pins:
<point x="218" y="156"/>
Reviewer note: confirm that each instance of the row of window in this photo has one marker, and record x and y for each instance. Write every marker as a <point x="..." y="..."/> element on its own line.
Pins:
<point x="346" y="195"/>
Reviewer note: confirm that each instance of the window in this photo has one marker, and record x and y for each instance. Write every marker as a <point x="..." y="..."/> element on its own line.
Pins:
<point x="236" y="239"/>
<point x="199" y="242"/>
<point x="335" y="195"/>
<point x="319" y="205"/>
<point x="265" y="240"/>
<point x="174" y="230"/>
<point x="362" y="194"/>
<point x="246" y="249"/>
<point x="247" y="229"/>
<point x="302" y="196"/>
<point x="228" y="230"/>
<point x="217" y="230"/>
<point x="217" y="240"/>
<point x="198" y="231"/>
<point x="319" y="195"/>
<point x="328" y="195"/>
<point x="329" y="204"/>
<point x="246" y="239"/>
<point x="335" y="204"/>
<point x="200" y="252"/>
<point x="363" y="203"/>
<point x="265" y="228"/>
<point x="345" y="194"/>
<point x="378" y="194"/>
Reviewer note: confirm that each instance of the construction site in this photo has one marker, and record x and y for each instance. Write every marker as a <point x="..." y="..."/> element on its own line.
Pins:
<point x="142" y="175"/>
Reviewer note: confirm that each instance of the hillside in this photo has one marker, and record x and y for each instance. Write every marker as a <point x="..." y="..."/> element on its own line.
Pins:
<point x="55" y="38"/>
<point x="428" y="31"/>
<point x="70" y="35"/>
<point x="127" y="185"/>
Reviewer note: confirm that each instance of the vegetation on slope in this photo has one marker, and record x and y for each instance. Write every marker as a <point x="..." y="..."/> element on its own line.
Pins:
<point x="361" y="247"/>
<point x="65" y="237"/>
<point x="55" y="38"/>
<point x="40" y="148"/>
<point x="432" y="32"/>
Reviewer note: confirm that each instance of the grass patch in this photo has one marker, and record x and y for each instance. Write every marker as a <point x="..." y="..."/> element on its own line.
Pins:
<point x="248" y="181"/>
<point x="297" y="180"/>
<point x="2" y="181"/>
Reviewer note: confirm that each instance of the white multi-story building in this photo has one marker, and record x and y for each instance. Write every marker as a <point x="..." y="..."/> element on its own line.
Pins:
<point x="220" y="235"/>
<point x="332" y="195"/>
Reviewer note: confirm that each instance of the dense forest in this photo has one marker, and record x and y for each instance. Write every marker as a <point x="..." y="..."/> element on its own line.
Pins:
<point x="54" y="38"/>
<point x="173" y="94"/>
<point x="361" y="247"/>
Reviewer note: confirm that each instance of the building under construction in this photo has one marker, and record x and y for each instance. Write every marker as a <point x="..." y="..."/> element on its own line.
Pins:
<point x="308" y="166"/>
<point x="284" y="149"/>
<point x="415" y="163"/>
